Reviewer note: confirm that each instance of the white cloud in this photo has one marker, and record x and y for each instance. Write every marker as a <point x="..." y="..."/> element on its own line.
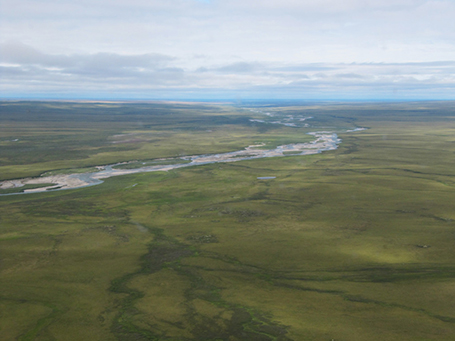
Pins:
<point x="149" y="74"/>
<point x="226" y="43"/>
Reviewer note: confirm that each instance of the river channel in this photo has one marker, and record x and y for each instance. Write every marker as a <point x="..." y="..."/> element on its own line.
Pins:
<point x="323" y="141"/>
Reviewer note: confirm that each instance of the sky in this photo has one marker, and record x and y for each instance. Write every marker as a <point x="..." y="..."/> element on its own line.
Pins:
<point x="227" y="49"/>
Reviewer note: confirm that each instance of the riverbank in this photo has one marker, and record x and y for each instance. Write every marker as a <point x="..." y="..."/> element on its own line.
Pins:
<point x="324" y="141"/>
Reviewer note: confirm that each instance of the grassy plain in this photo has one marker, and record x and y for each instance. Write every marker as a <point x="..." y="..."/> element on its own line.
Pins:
<point x="37" y="137"/>
<point x="352" y="244"/>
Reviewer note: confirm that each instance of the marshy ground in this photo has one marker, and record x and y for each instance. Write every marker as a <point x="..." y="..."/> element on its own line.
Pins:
<point x="353" y="244"/>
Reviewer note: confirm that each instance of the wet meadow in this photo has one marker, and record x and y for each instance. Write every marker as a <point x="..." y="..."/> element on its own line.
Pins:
<point x="350" y="244"/>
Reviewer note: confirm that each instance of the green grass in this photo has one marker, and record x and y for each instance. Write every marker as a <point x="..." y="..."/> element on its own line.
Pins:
<point x="41" y="137"/>
<point x="330" y="249"/>
<point x="70" y="171"/>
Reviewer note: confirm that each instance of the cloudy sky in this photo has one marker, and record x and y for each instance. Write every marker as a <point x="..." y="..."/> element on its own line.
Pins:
<point x="227" y="49"/>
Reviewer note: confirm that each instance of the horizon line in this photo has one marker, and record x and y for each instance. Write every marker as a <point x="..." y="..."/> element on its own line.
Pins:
<point x="224" y="100"/>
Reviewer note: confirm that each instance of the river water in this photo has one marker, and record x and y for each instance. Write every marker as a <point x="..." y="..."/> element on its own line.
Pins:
<point x="324" y="141"/>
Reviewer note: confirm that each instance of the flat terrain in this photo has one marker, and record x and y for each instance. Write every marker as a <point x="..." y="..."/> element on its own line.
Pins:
<point x="36" y="137"/>
<point x="351" y="244"/>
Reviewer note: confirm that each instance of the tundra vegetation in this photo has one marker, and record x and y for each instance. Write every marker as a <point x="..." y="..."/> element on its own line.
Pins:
<point x="350" y="244"/>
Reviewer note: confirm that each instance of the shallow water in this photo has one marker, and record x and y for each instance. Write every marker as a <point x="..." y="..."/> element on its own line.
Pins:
<point x="324" y="141"/>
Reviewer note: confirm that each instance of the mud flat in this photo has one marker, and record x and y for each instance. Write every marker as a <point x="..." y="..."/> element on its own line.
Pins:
<point x="324" y="141"/>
